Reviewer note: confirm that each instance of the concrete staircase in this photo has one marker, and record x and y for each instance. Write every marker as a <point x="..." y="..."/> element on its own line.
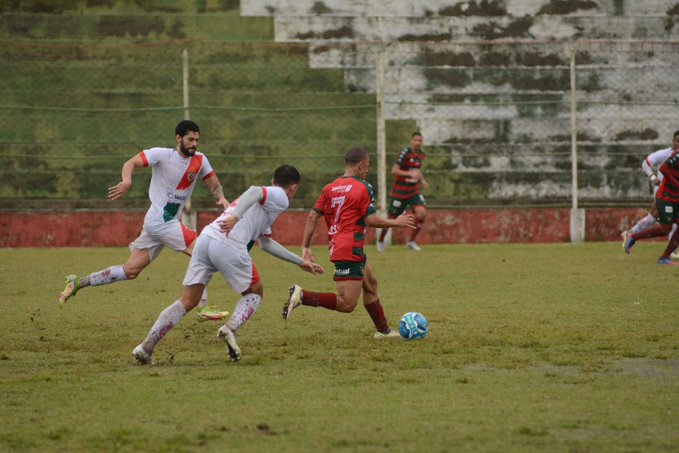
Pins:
<point x="501" y="113"/>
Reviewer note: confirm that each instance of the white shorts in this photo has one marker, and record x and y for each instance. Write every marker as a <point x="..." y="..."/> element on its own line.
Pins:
<point x="210" y="256"/>
<point x="155" y="236"/>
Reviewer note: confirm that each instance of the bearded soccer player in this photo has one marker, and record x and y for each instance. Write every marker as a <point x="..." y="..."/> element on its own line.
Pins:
<point x="348" y="206"/>
<point x="405" y="193"/>
<point x="667" y="203"/>
<point x="174" y="175"/>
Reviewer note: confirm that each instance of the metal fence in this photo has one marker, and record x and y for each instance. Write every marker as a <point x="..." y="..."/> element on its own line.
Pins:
<point x="505" y="123"/>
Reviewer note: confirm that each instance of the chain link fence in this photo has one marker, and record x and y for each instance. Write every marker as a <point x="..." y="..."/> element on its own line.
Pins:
<point x="497" y="118"/>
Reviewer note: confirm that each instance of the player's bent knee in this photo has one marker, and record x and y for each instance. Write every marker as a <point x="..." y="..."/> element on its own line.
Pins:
<point x="257" y="288"/>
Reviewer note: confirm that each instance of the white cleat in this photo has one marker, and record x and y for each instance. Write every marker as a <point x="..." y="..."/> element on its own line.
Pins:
<point x="227" y="336"/>
<point x="294" y="301"/>
<point x="412" y="245"/>
<point x="143" y="357"/>
<point x="70" y="289"/>
<point x="675" y="256"/>
<point x="391" y="334"/>
<point x="624" y="239"/>
<point x="380" y="246"/>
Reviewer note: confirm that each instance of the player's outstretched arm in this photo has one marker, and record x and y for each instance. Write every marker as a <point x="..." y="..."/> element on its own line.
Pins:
<point x="273" y="248"/>
<point x="119" y="190"/>
<point x="405" y="220"/>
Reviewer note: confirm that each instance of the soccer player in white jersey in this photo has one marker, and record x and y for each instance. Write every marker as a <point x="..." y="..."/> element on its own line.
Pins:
<point x="223" y="246"/>
<point x="650" y="166"/>
<point x="174" y="175"/>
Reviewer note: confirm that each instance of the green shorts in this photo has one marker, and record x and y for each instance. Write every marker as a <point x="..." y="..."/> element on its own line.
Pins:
<point x="668" y="212"/>
<point x="397" y="207"/>
<point x="349" y="270"/>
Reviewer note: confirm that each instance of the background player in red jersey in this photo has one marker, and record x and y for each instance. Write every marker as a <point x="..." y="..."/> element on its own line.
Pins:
<point x="348" y="205"/>
<point x="667" y="202"/>
<point x="406" y="190"/>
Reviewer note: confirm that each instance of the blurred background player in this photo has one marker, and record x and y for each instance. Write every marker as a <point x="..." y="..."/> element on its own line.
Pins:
<point x="667" y="204"/>
<point x="650" y="165"/>
<point x="406" y="190"/>
<point x="174" y="175"/>
<point x="348" y="205"/>
<point x="223" y="246"/>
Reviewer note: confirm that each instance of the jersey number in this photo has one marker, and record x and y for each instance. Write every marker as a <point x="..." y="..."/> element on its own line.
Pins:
<point x="336" y="203"/>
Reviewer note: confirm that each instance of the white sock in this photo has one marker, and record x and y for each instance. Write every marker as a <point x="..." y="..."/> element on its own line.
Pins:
<point x="245" y="308"/>
<point x="674" y="228"/>
<point x="109" y="275"/>
<point x="203" y="299"/>
<point x="167" y="319"/>
<point x="644" y="224"/>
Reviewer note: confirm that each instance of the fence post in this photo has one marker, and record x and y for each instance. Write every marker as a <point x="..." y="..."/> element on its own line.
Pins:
<point x="381" y="136"/>
<point x="189" y="216"/>
<point x="577" y="224"/>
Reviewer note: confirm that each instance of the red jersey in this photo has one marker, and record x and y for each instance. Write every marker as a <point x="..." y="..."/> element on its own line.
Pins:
<point x="405" y="188"/>
<point x="669" y="187"/>
<point x="345" y="203"/>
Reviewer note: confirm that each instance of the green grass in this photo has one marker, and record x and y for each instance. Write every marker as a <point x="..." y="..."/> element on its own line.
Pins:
<point x="531" y="348"/>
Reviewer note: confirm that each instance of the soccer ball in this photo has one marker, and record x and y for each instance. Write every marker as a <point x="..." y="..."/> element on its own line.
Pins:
<point x="413" y="326"/>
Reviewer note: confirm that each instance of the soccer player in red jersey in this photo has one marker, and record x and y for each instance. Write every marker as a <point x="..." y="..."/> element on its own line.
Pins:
<point x="406" y="190"/>
<point x="667" y="202"/>
<point x="348" y="206"/>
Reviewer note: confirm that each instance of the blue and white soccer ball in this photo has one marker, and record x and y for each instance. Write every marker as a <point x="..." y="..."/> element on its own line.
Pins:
<point x="413" y="326"/>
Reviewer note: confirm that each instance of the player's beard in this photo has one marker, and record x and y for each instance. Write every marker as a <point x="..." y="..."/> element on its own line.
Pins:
<point x="187" y="151"/>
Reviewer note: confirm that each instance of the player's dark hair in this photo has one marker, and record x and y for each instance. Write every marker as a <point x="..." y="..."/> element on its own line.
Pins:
<point x="186" y="126"/>
<point x="355" y="156"/>
<point x="675" y="134"/>
<point x="416" y="134"/>
<point x="286" y="175"/>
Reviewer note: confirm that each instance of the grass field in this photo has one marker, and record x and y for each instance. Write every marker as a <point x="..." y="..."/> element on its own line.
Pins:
<point x="531" y="348"/>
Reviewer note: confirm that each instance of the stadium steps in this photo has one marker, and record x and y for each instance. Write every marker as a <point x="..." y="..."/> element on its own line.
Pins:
<point x="443" y="8"/>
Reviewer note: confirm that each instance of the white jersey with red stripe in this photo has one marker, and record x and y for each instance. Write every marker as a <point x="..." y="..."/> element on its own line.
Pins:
<point x="172" y="181"/>
<point x="256" y="221"/>
<point x="653" y="161"/>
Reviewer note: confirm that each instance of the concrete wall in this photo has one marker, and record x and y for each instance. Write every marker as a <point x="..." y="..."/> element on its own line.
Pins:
<point x="117" y="228"/>
<point x="467" y="98"/>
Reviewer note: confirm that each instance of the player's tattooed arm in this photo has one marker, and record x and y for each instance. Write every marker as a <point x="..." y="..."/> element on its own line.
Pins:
<point x="214" y="186"/>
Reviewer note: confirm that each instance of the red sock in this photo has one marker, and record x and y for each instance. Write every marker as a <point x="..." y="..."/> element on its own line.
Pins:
<point x="376" y="312"/>
<point x="325" y="300"/>
<point x="654" y="231"/>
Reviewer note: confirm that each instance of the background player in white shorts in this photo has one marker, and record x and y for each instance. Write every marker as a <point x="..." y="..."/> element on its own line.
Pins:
<point x="174" y="175"/>
<point x="650" y="166"/>
<point x="223" y="247"/>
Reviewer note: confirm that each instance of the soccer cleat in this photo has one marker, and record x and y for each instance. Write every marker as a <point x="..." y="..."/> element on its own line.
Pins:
<point x="667" y="262"/>
<point x="412" y="245"/>
<point x="72" y="282"/>
<point x="227" y="336"/>
<point x="294" y="301"/>
<point x="624" y="238"/>
<point x="210" y="314"/>
<point x="380" y="246"/>
<point x="675" y="256"/>
<point x="391" y="333"/>
<point x="629" y="243"/>
<point x="143" y="357"/>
